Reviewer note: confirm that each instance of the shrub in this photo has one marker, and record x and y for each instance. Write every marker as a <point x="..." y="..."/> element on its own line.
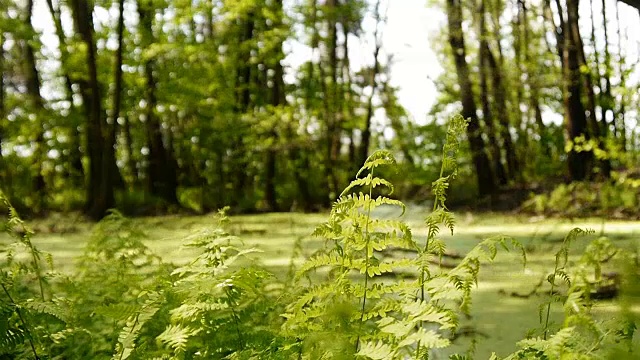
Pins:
<point x="619" y="198"/>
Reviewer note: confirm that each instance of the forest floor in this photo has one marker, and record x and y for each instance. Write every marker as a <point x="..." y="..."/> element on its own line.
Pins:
<point x="498" y="318"/>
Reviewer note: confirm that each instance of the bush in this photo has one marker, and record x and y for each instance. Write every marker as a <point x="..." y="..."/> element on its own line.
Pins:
<point x="619" y="198"/>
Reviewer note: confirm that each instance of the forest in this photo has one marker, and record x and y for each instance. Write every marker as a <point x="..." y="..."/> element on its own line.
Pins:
<point x="276" y="143"/>
<point x="160" y="105"/>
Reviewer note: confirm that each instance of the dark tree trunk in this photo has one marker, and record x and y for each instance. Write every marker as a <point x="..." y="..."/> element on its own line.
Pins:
<point x="161" y="175"/>
<point x="240" y="163"/>
<point x="500" y="98"/>
<point x="33" y="88"/>
<point x="494" y="146"/>
<point x="4" y="170"/>
<point x="606" y="99"/>
<point x="130" y="164"/>
<point x="99" y="197"/>
<point x="598" y="131"/>
<point x="209" y="17"/>
<point x="277" y="99"/>
<point x="575" y="118"/>
<point x="486" y="182"/>
<point x="76" y="170"/>
<point x="623" y="83"/>
<point x="109" y="165"/>
<point x="534" y="96"/>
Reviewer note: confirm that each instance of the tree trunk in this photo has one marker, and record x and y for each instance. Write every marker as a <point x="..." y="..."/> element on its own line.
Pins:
<point x="277" y="99"/>
<point x="623" y="83"/>
<point x="534" y="85"/>
<point x="37" y="102"/>
<point x="109" y="165"/>
<point x="76" y="170"/>
<point x="500" y="98"/>
<point x="4" y="170"/>
<point x="607" y="100"/>
<point x="366" y="132"/>
<point x="244" y="77"/>
<point x="161" y="175"/>
<point x="599" y="131"/>
<point x="575" y="118"/>
<point x="99" y="197"/>
<point x="486" y="182"/>
<point x="494" y="146"/>
<point x="330" y="94"/>
<point x="348" y="103"/>
<point x="130" y="164"/>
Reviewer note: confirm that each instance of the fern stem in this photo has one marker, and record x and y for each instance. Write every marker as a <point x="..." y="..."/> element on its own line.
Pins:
<point x="235" y="319"/>
<point x="366" y="262"/>
<point x="24" y="323"/>
<point x="35" y="258"/>
<point x="135" y="322"/>
<point x="553" y="283"/>
<point x="426" y="249"/>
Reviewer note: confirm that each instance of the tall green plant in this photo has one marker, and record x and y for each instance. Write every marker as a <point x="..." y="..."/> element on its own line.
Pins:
<point x="30" y="315"/>
<point x="372" y="317"/>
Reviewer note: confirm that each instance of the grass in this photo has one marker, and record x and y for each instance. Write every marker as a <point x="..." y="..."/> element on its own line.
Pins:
<point x="276" y="233"/>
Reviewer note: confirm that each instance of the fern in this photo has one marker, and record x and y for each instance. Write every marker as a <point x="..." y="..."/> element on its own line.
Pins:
<point x="126" y="339"/>
<point x="221" y="307"/>
<point x="561" y="258"/>
<point x="357" y="241"/>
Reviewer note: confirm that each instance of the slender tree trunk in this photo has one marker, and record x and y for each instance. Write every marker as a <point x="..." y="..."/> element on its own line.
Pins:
<point x="500" y="98"/>
<point x="348" y="103"/>
<point x="486" y="182"/>
<point x="496" y="67"/>
<point x="607" y="100"/>
<point x="523" y="122"/>
<point x="599" y="131"/>
<point x="33" y="88"/>
<point x="366" y="132"/>
<point x="534" y="96"/>
<point x="76" y="170"/>
<point x="130" y="164"/>
<point x="623" y="83"/>
<point x="244" y="78"/>
<point x="277" y="99"/>
<point x="161" y="177"/>
<point x="575" y="118"/>
<point x="300" y="154"/>
<point x="4" y="170"/>
<point x="330" y="94"/>
<point x="209" y="16"/>
<point x="109" y="165"/>
<point x="494" y="146"/>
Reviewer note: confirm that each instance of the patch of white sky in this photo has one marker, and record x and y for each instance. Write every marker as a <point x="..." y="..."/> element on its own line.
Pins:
<point x="406" y="36"/>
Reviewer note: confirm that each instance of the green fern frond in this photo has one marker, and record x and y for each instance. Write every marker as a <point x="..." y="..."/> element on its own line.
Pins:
<point x="54" y="307"/>
<point x="428" y="339"/>
<point x="378" y="158"/>
<point x="376" y="351"/>
<point x="176" y="337"/>
<point x="128" y="335"/>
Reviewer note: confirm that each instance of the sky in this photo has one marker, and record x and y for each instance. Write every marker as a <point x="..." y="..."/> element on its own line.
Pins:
<point x="406" y="34"/>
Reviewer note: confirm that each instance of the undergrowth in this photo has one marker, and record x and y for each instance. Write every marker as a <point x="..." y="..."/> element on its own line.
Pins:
<point x="374" y="291"/>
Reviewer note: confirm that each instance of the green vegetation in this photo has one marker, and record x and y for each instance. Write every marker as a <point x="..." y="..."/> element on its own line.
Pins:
<point x="375" y="289"/>
<point x="160" y="106"/>
<point x="123" y="122"/>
